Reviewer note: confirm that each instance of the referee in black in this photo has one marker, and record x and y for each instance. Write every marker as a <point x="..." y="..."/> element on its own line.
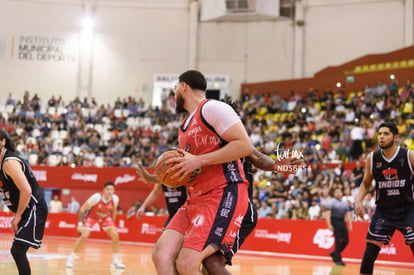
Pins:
<point x="337" y="212"/>
<point x="25" y="198"/>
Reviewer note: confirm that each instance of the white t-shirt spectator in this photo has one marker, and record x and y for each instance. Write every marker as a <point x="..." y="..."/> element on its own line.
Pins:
<point x="314" y="212"/>
<point x="357" y="133"/>
<point x="55" y="206"/>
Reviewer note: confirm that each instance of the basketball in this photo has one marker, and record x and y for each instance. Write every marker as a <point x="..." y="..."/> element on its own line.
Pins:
<point x="161" y="168"/>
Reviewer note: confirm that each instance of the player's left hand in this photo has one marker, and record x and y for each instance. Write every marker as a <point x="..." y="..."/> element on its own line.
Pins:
<point x="14" y="223"/>
<point x="359" y="209"/>
<point x="144" y="175"/>
<point x="184" y="165"/>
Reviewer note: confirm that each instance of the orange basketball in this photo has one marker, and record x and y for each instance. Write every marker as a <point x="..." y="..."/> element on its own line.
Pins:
<point x="161" y="168"/>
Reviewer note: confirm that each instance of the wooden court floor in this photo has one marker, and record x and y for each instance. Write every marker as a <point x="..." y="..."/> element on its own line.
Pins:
<point x="96" y="257"/>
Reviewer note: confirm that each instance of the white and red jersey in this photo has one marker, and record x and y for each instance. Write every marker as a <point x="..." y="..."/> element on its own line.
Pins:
<point x="200" y="137"/>
<point x="101" y="209"/>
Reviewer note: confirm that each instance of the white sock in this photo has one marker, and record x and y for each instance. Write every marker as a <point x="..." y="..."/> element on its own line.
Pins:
<point x="115" y="257"/>
<point x="72" y="255"/>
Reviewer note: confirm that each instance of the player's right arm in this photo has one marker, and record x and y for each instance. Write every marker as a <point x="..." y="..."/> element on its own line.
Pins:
<point x="364" y="188"/>
<point x="156" y="191"/>
<point x="82" y="211"/>
<point x="93" y="200"/>
<point x="145" y="176"/>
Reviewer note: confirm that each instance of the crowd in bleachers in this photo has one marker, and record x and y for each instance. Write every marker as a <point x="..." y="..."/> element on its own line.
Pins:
<point x="327" y="126"/>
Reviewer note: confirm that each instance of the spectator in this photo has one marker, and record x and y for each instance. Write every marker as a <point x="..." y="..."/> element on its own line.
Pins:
<point x="73" y="206"/>
<point x="264" y="209"/>
<point x="132" y="211"/>
<point x="256" y="137"/>
<point x="55" y="205"/>
<point x="357" y="173"/>
<point x="357" y="136"/>
<point x="315" y="209"/>
<point x="301" y="211"/>
<point x="284" y="211"/>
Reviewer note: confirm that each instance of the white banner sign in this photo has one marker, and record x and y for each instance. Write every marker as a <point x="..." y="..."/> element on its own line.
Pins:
<point x="43" y="48"/>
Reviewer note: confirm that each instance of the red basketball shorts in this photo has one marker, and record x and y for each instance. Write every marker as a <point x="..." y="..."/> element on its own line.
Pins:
<point x="105" y="223"/>
<point x="213" y="218"/>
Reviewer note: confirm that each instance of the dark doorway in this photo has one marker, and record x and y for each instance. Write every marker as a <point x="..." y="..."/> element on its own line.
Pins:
<point x="215" y="94"/>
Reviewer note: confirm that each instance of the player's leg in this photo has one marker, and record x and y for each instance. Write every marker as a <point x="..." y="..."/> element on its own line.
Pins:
<point x="167" y="247"/>
<point x="113" y="234"/>
<point x="406" y="226"/>
<point x="18" y="251"/>
<point x="30" y="232"/>
<point x="85" y="232"/>
<point x="189" y="260"/>
<point x="380" y="232"/>
<point x="166" y="250"/>
<point x="370" y="255"/>
<point x="215" y="264"/>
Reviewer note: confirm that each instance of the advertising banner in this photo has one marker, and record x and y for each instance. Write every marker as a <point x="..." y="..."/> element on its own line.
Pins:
<point x="87" y="177"/>
<point x="288" y="238"/>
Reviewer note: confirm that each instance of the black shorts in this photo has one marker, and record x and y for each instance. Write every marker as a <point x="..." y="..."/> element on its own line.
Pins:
<point x="382" y="229"/>
<point x="32" y="225"/>
<point x="248" y="224"/>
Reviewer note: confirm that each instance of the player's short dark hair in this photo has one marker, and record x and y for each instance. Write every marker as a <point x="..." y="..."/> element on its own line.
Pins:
<point x="194" y="79"/>
<point x="9" y="142"/>
<point x="109" y="183"/>
<point x="390" y="125"/>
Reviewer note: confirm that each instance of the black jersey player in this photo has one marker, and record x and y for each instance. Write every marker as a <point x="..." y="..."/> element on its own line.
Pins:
<point x="25" y="198"/>
<point x="391" y="167"/>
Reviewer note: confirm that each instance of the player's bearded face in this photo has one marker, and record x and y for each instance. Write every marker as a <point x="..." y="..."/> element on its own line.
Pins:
<point x="385" y="139"/>
<point x="386" y="145"/>
<point x="179" y="101"/>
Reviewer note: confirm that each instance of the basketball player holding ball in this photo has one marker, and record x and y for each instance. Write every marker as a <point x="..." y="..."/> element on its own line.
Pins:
<point x="175" y="197"/>
<point x="214" y="140"/>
